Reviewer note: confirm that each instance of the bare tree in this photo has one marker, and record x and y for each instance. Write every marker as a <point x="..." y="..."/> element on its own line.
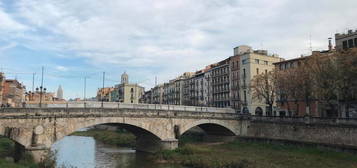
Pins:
<point x="289" y="88"/>
<point x="263" y="88"/>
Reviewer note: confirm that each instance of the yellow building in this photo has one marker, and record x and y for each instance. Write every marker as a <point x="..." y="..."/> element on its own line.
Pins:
<point x="253" y="63"/>
<point x="128" y="93"/>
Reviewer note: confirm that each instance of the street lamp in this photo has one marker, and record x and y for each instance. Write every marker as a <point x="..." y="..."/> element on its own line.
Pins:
<point x="42" y="91"/>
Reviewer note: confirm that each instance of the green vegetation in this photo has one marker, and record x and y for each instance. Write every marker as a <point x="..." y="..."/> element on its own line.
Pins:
<point x="240" y="154"/>
<point x="7" y="149"/>
<point x="118" y="138"/>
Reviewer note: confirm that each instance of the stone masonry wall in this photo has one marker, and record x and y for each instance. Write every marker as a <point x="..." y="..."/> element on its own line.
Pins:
<point x="340" y="135"/>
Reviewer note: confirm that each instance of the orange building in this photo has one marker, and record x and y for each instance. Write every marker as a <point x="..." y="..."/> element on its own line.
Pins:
<point x="13" y="93"/>
<point x="104" y="93"/>
<point x="298" y="106"/>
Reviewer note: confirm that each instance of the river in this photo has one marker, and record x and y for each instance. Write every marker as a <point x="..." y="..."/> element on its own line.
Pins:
<point x="86" y="152"/>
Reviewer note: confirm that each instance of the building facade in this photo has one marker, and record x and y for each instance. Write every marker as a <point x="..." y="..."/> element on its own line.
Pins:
<point x="251" y="64"/>
<point x="298" y="105"/>
<point x="196" y="89"/>
<point x="2" y="81"/>
<point x="126" y="92"/>
<point x="147" y="97"/>
<point x="157" y="94"/>
<point x="221" y="84"/>
<point x="207" y="89"/>
<point x="103" y="94"/>
<point x="13" y="93"/>
<point x="346" y="40"/>
<point x="234" y="81"/>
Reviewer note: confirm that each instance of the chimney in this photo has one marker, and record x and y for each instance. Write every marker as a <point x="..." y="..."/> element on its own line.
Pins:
<point x="330" y="44"/>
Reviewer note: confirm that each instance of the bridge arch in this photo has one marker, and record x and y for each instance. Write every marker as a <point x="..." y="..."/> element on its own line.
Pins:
<point x="134" y="126"/>
<point x="13" y="134"/>
<point x="211" y="127"/>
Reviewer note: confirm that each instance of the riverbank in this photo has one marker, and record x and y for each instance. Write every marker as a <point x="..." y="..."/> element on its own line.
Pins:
<point x="7" y="149"/>
<point x="239" y="154"/>
<point x="117" y="138"/>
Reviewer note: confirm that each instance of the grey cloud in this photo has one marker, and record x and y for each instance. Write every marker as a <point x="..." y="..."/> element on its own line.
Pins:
<point x="184" y="35"/>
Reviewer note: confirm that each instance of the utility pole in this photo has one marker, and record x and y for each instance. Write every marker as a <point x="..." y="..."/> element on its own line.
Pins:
<point x="33" y="82"/>
<point x="103" y="89"/>
<point x="85" y="90"/>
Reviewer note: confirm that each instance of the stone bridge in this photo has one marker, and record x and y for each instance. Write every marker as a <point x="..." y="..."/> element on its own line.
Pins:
<point x="159" y="127"/>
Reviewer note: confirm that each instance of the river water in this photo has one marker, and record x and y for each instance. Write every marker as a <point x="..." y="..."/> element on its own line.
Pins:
<point x="86" y="152"/>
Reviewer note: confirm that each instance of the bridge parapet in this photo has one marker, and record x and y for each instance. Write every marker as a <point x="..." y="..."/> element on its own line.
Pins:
<point x="115" y="105"/>
<point x="110" y="112"/>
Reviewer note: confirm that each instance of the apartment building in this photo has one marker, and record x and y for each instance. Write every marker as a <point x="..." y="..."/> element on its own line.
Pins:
<point x="197" y="89"/>
<point x="147" y="97"/>
<point x="297" y="105"/>
<point x="103" y="94"/>
<point x="13" y="93"/>
<point x="220" y="74"/>
<point x="222" y="84"/>
<point x="2" y="80"/>
<point x="346" y="40"/>
<point x="251" y="64"/>
<point x="157" y="94"/>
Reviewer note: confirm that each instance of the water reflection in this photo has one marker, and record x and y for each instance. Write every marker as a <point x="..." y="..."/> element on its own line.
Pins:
<point x="85" y="152"/>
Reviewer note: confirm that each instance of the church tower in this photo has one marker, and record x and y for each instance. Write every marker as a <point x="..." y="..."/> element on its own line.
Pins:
<point x="59" y="92"/>
<point x="124" y="78"/>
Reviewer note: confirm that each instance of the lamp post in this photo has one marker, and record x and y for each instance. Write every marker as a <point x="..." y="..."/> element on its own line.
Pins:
<point x="102" y="97"/>
<point x="42" y="89"/>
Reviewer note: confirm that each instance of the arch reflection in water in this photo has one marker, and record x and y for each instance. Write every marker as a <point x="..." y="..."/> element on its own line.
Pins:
<point x="75" y="151"/>
<point x="86" y="152"/>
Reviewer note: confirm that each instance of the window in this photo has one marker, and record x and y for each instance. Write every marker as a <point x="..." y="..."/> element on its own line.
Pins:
<point x="344" y="45"/>
<point x="257" y="71"/>
<point x="266" y="71"/>
<point x="350" y="43"/>
<point x="244" y="73"/>
<point x="265" y="62"/>
<point x="256" y="61"/>
<point x="245" y="61"/>
<point x="245" y="96"/>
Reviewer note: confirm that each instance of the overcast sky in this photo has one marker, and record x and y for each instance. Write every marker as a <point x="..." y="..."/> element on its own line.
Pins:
<point x="148" y="38"/>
